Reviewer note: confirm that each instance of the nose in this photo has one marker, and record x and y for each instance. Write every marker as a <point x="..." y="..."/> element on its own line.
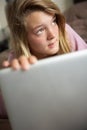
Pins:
<point x="50" y="34"/>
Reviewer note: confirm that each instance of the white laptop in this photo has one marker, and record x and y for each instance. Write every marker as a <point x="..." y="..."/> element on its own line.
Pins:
<point x="52" y="95"/>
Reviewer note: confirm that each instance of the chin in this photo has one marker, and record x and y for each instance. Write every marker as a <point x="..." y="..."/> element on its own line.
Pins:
<point x="54" y="51"/>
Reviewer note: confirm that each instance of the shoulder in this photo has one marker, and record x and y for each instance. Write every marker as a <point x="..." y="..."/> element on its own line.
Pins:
<point x="77" y="43"/>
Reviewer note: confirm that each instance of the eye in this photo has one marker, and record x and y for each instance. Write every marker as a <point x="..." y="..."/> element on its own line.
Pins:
<point x="40" y="31"/>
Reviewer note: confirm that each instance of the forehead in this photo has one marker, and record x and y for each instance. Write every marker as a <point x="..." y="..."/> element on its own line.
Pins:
<point x="38" y="18"/>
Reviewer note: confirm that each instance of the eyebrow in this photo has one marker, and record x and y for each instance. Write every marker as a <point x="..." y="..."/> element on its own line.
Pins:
<point x="38" y="26"/>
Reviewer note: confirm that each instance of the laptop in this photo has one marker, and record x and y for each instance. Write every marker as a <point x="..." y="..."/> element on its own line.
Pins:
<point x="52" y="95"/>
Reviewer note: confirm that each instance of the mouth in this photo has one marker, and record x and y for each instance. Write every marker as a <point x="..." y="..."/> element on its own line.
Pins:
<point x="52" y="45"/>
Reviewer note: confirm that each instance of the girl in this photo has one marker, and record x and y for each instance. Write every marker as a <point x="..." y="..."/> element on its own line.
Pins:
<point x="38" y="30"/>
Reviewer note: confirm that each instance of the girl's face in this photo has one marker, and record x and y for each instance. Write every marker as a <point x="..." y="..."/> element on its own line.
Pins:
<point x="43" y="34"/>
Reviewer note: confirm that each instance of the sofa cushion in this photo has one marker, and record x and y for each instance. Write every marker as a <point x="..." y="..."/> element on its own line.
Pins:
<point x="76" y="17"/>
<point x="5" y="125"/>
<point x="3" y="113"/>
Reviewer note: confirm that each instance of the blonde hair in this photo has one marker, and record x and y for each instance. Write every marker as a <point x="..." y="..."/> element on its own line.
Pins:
<point x="16" y="13"/>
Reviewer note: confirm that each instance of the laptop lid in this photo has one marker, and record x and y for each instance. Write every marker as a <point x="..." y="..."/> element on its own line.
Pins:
<point x="52" y="95"/>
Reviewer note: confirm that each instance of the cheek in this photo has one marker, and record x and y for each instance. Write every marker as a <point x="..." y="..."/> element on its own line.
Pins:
<point x="57" y="31"/>
<point x="36" y="42"/>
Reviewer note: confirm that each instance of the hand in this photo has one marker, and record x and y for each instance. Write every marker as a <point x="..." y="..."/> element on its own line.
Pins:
<point x="22" y="63"/>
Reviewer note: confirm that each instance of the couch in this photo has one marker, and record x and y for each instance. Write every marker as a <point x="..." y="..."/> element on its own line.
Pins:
<point x="76" y="17"/>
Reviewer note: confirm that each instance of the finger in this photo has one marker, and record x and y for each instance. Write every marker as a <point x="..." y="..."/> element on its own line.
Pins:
<point x="25" y="65"/>
<point x="32" y="59"/>
<point x="15" y="64"/>
<point x="6" y="63"/>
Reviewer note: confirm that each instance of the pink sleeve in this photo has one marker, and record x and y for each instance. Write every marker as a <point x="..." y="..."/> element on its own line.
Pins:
<point x="77" y="43"/>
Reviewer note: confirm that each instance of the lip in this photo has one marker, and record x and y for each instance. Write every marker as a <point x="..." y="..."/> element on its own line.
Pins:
<point x="52" y="45"/>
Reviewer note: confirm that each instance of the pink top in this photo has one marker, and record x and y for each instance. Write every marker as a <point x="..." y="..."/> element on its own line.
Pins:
<point x="77" y="43"/>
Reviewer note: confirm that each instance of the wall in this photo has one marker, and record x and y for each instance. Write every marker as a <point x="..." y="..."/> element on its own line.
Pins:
<point x="63" y="4"/>
<point x="3" y="22"/>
